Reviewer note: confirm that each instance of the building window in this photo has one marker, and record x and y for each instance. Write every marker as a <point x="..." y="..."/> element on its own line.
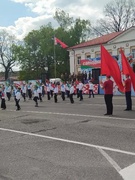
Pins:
<point x="78" y="59"/>
<point x="97" y="54"/>
<point x="88" y="56"/>
<point x="133" y="52"/>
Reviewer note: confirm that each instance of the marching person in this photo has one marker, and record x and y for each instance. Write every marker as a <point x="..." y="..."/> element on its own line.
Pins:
<point x="48" y="90"/>
<point x="63" y="90"/>
<point x="91" y="87"/>
<point x="30" y="90"/>
<point x="67" y="89"/>
<point x="3" y="96"/>
<point x="40" y="92"/>
<point x="18" y="97"/>
<point x="8" y="91"/>
<point x="24" y="89"/>
<point x="36" y="95"/>
<point x="127" y="85"/>
<point x="55" y="92"/>
<point x="77" y="88"/>
<point x="72" y="93"/>
<point x="51" y="89"/>
<point x="80" y="90"/>
<point x="108" y="94"/>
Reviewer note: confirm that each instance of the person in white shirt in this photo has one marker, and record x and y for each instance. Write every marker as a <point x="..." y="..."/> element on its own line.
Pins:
<point x="30" y="90"/>
<point x="40" y="92"/>
<point x="80" y="90"/>
<point x="67" y="89"/>
<point x="63" y="91"/>
<point x="18" y="97"/>
<point x="48" y="90"/>
<point x="91" y="87"/>
<point x="55" y="92"/>
<point x="71" y="93"/>
<point x="51" y="89"/>
<point x="24" y="89"/>
<point x="8" y="91"/>
<point x="36" y="95"/>
<point x="3" y="102"/>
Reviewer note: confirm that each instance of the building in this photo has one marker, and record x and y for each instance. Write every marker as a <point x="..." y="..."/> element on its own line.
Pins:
<point x="112" y="42"/>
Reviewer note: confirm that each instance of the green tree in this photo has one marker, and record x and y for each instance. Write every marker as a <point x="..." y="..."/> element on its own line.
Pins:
<point x="7" y="60"/>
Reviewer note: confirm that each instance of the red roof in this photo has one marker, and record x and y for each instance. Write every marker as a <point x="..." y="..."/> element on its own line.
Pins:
<point x="97" y="41"/>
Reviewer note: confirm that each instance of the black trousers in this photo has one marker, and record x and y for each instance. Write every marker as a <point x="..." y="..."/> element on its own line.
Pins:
<point x="71" y="98"/>
<point x="77" y="91"/>
<point x="91" y="93"/>
<point x="3" y="104"/>
<point x="67" y="92"/>
<point x="40" y="97"/>
<point x="128" y="100"/>
<point x="108" y="102"/>
<point x="17" y="103"/>
<point x="80" y="94"/>
<point x="8" y="95"/>
<point x="36" y="100"/>
<point x="48" y="95"/>
<point x="55" y="98"/>
<point x="51" y="93"/>
<point x="63" y="96"/>
<point x="24" y="96"/>
<point x="29" y="93"/>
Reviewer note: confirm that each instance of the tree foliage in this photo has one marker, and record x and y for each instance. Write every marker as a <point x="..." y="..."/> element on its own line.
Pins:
<point x="7" y="59"/>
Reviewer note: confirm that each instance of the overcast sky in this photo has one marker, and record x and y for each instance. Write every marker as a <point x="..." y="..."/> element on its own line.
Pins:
<point x="22" y="16"/>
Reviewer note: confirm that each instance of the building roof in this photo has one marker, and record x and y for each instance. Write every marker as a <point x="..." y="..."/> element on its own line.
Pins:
<point x="97" y="41"/>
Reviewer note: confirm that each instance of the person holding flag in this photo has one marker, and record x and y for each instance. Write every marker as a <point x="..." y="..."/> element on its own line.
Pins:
<point x="127" y="85"/>
<point x="108" y="95"/>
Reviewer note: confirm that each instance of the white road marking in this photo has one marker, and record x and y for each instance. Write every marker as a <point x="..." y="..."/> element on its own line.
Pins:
<point x="79" y="115"/>
<point x="128" y="173"/>
<point x="69" y="141"/>
<point x="111" y="161"/>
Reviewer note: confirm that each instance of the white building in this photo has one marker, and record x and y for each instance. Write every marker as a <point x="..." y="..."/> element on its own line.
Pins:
<point x="112" y="42"/>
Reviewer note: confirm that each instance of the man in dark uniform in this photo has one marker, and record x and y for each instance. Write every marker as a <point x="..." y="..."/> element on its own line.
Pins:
<point x="108" y="94"/>
<point x="127" y="85"/>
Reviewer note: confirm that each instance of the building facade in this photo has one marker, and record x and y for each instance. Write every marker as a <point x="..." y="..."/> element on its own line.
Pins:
<point x="112" y="42"/>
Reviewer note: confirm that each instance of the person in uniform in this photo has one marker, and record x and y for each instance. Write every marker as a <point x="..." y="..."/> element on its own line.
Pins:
<point x="71" y="93"/>
<point x="91" y="87"/>
<point x="127" y="85"/>
<point x="63" y="91"/>
<point x="30" y="90"/>
<point x="8" y="91"/>
<point x="24" y="89"/>
<point x="18" y="97"/>
<point x="36" y="95"/>
<point x="55" y="92"/>
<point x="81" y="90"/>
<point x="108" y="94"/>
<point x="3" y="101"/>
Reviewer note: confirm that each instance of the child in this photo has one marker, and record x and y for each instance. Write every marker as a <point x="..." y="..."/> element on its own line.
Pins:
<point x="36" y="95"/>
<point x="3" y="102"/>
<point x="17" y="98"/>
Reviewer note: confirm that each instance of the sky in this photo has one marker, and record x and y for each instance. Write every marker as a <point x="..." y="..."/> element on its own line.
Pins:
<point x="22" y="16"/>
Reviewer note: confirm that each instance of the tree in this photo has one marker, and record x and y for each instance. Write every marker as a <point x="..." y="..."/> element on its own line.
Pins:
<point x="7" y="60"/>
<point x="119" y="16"/>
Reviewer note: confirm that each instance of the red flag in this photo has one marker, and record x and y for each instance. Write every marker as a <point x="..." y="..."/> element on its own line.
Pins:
<point x="126" y="69"/>
<point x="57" y="41"/>
<point x="109" y="66"/>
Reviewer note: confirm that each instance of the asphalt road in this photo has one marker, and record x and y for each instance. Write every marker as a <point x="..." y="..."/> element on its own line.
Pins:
<point x="63" y="141"/>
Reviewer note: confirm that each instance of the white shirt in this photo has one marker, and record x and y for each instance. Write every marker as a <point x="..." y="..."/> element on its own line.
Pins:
<point x="23" y="89"/>
<point x="68" y="87"/>
<point x="39" y="90"/>
<point x="48" y="87"/>
<point x="8" y="89"/>
<point x="91" y="86"/>
<point x="18" y="95"/>
<point x="63" y="88"/>
<point x="80" y="86"/>
<point x="72" y="90"/>
<point x="56" y="89"/>
<point x="36" y="94"/>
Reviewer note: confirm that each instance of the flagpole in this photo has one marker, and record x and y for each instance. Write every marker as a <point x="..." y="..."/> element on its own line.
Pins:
<point x="54" y="56"/>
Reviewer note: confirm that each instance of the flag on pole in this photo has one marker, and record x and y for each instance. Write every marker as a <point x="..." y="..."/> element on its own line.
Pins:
<point x="126" y="69"/>
<point x="109" y="66"/>
<point x="58" y="41"/>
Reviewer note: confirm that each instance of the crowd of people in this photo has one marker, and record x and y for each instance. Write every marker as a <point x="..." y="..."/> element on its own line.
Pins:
<point x="65" y="89"/>
<point x="37" y="92"/>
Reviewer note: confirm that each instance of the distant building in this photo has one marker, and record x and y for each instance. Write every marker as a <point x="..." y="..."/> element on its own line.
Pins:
<point x="112" y="42"/>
